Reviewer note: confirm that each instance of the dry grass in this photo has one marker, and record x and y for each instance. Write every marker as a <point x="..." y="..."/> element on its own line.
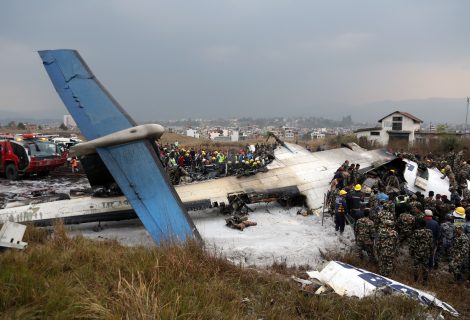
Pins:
<point x="63" y="278"/>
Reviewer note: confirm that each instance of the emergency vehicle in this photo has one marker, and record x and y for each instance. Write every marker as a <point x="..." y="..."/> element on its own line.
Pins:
<point x="26" y="154"/>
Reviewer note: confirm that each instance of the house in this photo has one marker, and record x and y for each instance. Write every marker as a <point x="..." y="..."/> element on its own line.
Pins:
<point x="398" y="126"/>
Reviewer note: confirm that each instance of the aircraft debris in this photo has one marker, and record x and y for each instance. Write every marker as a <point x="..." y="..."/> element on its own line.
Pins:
<point x="347" y="280"/>
<point x="11" y="235"/>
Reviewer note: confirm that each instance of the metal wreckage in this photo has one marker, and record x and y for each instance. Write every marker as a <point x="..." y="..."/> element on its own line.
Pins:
<point x="122" y="158"/>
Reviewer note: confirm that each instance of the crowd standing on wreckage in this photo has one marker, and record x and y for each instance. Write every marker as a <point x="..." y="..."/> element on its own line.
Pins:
<point x="387" y="217"/>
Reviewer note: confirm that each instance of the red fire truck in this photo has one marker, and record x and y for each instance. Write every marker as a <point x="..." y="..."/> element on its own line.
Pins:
<point x="26" y="155"/>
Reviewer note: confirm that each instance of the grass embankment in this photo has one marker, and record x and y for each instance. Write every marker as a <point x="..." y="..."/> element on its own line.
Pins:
<point x="61" y="278"/>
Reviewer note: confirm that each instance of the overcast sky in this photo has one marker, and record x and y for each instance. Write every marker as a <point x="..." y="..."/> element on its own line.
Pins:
<point x="258" y="58"/>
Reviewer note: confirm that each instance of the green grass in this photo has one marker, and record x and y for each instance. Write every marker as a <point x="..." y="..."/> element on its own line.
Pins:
<point x="62" y="278"/>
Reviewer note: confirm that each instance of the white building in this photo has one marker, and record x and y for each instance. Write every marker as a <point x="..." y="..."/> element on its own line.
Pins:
<point x="316" y="135"/>
<point x="68" y="121"/>
<point x="192" y="133"/>
<point x="396" y="127"/>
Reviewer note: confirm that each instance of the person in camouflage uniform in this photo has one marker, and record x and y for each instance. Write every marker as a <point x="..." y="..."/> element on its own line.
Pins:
<point x="421" y="250"/>
<point x="416" y="207"/>
<point x="405" y="226"/>
<point x="446" y="238"/>
<point x="430" y="202"/>
<point x="364" y="231"/>
<point x="385" y="214"/>
<point x="386" y="247"/>
<point x="447" y="172"/>
<point x="459" y="255"/>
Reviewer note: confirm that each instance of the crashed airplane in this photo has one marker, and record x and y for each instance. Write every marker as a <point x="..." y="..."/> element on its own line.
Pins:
<point x="121" y="152"/>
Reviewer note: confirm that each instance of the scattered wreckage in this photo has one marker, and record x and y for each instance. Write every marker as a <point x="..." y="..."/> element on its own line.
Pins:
<point x="11" y="235"/>
<point x="347" y="280"/>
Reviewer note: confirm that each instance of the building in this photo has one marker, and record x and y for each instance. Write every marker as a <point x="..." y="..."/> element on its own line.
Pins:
<point x="398" y="126"/>
<point x="69" y="122"/>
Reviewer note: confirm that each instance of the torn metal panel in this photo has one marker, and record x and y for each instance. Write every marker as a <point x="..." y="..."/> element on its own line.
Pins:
<point x="347" y="280"/>
<point x="11" y="235"/>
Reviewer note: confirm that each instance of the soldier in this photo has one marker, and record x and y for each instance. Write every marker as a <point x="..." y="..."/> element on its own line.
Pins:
<point x="459" y="254"/>
<point x="364" y="231"/>
<point x="430" y="202"/>
<point x="386" y="247"/>
<point x="446" y="237"/>
<point x="447" y="172"/>
<point x="421" y="250"/>
<point x="385" y="214"/>
<point x="415" y="206"/>
<point x="405" y="226"/>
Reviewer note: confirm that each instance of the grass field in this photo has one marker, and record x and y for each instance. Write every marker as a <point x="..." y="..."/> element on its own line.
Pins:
<point x="61" y="278"/>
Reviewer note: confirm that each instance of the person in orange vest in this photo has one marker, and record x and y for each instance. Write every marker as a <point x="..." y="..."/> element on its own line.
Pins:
<point x="74" y="165"/>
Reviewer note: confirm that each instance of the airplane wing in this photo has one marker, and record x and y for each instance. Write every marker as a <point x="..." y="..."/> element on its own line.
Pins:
<point x="135" y="165"/>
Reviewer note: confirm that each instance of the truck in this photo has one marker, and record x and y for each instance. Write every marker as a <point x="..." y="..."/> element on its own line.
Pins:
<point x="27" y="155"/>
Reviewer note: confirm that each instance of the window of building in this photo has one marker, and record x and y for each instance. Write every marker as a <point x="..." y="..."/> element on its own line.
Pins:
<point x="375" y="133"/>
<point x="397" y="124"/>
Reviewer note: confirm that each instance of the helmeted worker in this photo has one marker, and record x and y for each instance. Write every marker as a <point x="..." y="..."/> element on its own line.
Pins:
<point x="340" y="211"/>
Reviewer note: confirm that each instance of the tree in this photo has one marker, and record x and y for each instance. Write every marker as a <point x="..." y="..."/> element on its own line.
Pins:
<point x="21" y="126"/>
<point x="39" y="127"/>
<point x="63" y="127"/>
<point x="11" y="124"/>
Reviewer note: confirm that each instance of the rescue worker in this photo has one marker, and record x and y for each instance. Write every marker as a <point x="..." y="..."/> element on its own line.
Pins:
<point x="340" y="211"/>
<point x="446" y="237"/>
<point x="392" y="184"/>
<point x="459" y="216"/>
<point x="433" y="226"/>
<point x="459" y="254"/>
<point x="447" y="172"/>
<point x="386" y="247"/>
<point x="356" y="199"/>
<point x="405" y="226"/>
<point x="384" y="215"/>
<point x="364" y="230"/>
<point x="74" y="165"/>
<point x="421" y="250"/>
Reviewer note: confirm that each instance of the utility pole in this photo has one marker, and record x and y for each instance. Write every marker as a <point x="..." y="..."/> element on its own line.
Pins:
<point x="466" y="117"/>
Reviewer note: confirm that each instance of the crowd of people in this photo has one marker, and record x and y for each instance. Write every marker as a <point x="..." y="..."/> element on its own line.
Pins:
<point x="387" y="218"/>
<point x="204" y="163"/>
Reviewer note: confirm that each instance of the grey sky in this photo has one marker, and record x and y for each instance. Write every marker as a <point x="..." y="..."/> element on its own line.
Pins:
<point x="174" y="59"/>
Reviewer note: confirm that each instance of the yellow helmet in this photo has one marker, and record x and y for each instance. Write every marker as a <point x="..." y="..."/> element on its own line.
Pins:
<point x="342" y="192"/>
<point x="443" y="170"/>
<point x="460" y="211"/>
<point x="357" y="187"/>
<point x="392" y="170"/>
<point x="213" y="158"/>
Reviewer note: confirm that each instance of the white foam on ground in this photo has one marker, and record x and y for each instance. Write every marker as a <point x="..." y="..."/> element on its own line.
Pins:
<point x="280" y="236"/>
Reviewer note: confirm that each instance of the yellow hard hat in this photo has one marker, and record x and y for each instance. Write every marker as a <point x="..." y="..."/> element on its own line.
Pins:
<point x="213" y="158"/>
<point x="443" y="170"/>
<point x="392" y="170"/>
<point x="342" y="193"/>
<point x="357" y="187"/>
<point x="460" y="211"/>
